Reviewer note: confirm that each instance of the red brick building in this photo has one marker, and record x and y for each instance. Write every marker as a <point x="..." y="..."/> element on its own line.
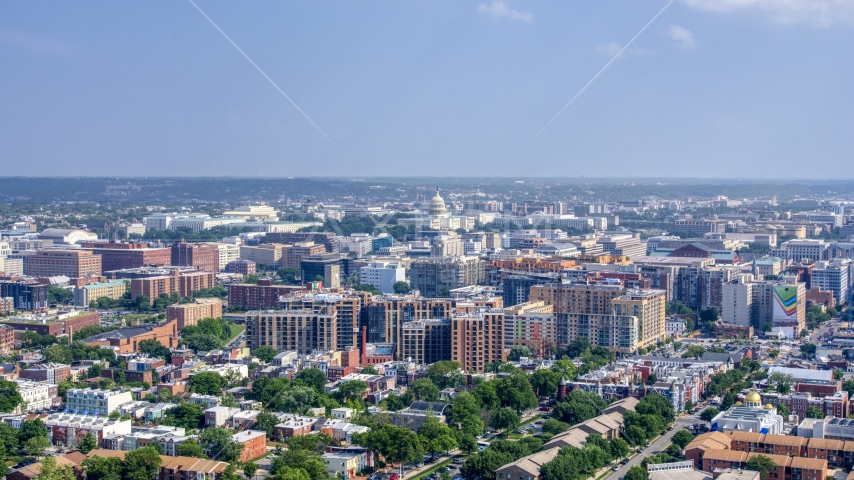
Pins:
<point x="200" y="255"/>
<point x="7" y="339"/>
<point x="118" y="256"/>
<point x="59" y="325"/>
<point x="191" y="313"/>
<point x="254" y="444"/>
<point x="126" y="339"/>
<point x="70" y="263"/>
<point x="262" y="296"/>
<point x="183" y="282"/>
<point x="243" y="267"/>
<point x="47" y="372"/>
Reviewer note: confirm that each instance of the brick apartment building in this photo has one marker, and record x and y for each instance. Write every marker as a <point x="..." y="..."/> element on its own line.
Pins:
<point x="202" y="255"/>
<point x="118" y="256"/>
<point x="243" y="267"/>
<point x="7" y="339"/>
<point x="254" y="444"/>
<point x="191" y="313"/>
<point x="807" y="457"/>
<point x="61" y="324"/>
<point x="182" y="281"/>
<point x="47" y="372"/>
<point x="70" y="263"/>
<point x="262" y="296"/>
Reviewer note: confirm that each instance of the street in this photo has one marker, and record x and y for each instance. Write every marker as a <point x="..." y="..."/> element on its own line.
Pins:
<point x="658" y="444"/>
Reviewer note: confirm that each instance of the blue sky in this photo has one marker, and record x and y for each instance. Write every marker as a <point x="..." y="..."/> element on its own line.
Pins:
<point x="717" y="88"/>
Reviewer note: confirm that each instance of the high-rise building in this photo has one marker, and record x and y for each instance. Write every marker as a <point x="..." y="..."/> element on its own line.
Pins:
<point x="302" y="331"/>
<point x="436" y="277"/>
<point x="346" y="308"/>
<point x="648" y="306"/>
<point x="517" y="288"/>
<point x="477" y="338"/>
<point x="382" y="275"/>
<point x="385" y="316"/>
<point x="427" y="341"/>
<point x="26" y="295"/>
<point x="531" y="324"/>
<point x="202" y="255"/>
<point x="184" y="282"/>
<point x="575" y="298"/>
<point x="834" y="276"/>
<point x="260" y="296"/>
<point x="70" y="263"/>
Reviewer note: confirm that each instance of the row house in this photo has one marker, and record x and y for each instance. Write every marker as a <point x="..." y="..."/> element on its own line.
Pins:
<point x="787" y="468"/>
<point x="835" y="405"/>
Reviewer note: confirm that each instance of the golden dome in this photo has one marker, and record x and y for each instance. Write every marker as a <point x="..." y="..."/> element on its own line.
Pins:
<point x="738" y="404"/>
<point x="768" y="406"/>
<point x="753" y="397"/>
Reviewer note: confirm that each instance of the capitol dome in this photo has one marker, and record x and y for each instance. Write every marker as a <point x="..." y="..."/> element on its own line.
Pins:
<point x="437" y="206"/>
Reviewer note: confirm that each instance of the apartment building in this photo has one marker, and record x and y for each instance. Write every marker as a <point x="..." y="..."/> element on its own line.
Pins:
<point x="47" y="372"/>
<point x="184" y="282"/>
<point x="254" y="444"/>
<point x="531" y="324"/>
<point x="571" y="299"/>
<point x="385" y="316"/>
<point x="346" y="307"/>
<point x="190" y="313"/>
<point x="293" y="255"/>
<point x="85" y="294"/>
<point x="427" y="341"/>
<point x="477" y="338"/>
<point x="25" y="294"/>
<point x="96" y="402"/>
<point x="37" y="396"/>
<point x="59" y="323"/>
<point x="69" y="263"/>
<point x="260" y="296"/>
<point x="299" y="330"/>
<point x="436" y="277"/>
<point x="201" y="255"/>
<point x="65" y="429"/>
<point x="243" y="267"/>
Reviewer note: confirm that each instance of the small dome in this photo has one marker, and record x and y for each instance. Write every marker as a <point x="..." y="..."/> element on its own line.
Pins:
<point x="738" y="404"/>
<point x="753" y="397"/>
<point x="768" y="406"/>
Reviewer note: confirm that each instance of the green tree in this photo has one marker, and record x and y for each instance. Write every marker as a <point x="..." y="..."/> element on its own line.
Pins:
<point x="505" y="419"/>
<point x="438" y="436"/>
<point x="191" y="449"/>
<point x="808" y="350"/>
<point x="88" y="443"/>
<point x="517" y="352"/>
<point x="266" y="353"/>
<point x="53" y="471"/>
<point x="578" y="406"/>
<point x="694" y="351"/>
<point x="425" y="390"/>
<point x="761" y="464"/>
<point x="58" y="354"/>
<point x="553" y="427"/>
<point x="30" y="429"/>
<point x="99" y="468"/>
<point x="142" y="464"/>
<point x="186" y="415"/>
<point x="545" y="382"/>
<point x="249" y="469"/>
<point x="206" y="383"/>
<point x="814" y="412"/>
<point x="656" y="405"/>
<point x="782" y="382"/>
<point x="155" y="349"/>
<point x="441" y="373"/>
<point x="219" y="443"/>
<point x="619" y="448"/>
<point x="312" y="443"/>
<point x="682" y="438"/>
<point x="709" y="314"/>
<point x="636" y="473"/>
<point x="401" y="288"/>
<point x="708" y="414"/>
<point x="369" y="370"/>
<point x="352" y="390"/>
<point x="515" y="391"/>
<point x="265" y="423"/>
<point x="314" y="378"/>
<point x="783" y="410"/>
<point x="36" y="446"/>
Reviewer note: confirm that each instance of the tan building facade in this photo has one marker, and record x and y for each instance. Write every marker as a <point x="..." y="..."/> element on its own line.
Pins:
<point x="191" y="313"/>
<point x="302" y="331"/>
<point x="70" y="263"/>
<point x="477" y="338"/>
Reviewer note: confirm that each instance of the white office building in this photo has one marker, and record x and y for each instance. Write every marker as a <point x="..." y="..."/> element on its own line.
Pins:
<point x="382" y="275"/>
<point x="835" y="276"/>
<point x="800" y="248"/>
